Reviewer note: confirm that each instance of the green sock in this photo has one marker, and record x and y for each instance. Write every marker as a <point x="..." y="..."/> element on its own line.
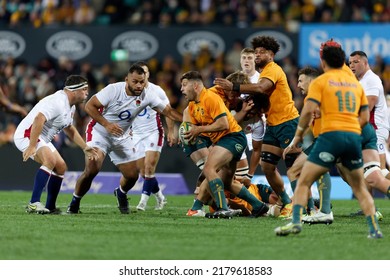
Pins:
<point x="293" y="185"/>
<point x="324" y="186"/>
<point x="250" y="198"/>
<point x="388" y="192"/>
<point x="197" y="205"/>
<point x="310" y="203"/>
<point x="372" y="222"/>
<point x="284" y="198"/>
<point x="297" y="211"/>
<point x="216" y="187"/>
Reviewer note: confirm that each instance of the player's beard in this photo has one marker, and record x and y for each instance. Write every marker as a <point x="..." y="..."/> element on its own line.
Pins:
<point x="260" y="64"/>
<point x="133" y="91"/>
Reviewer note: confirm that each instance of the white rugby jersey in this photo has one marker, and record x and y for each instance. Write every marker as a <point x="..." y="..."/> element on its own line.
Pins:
<point x="57" y="111"/>
<point x="255" y="78"/>
<point x="120" y="108"/>
<point x="372" y="86"/>
<point x="148" y="120"/>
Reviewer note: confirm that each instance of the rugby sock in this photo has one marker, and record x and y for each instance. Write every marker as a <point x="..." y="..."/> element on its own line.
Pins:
<point x="284" y="198"/>
<point x="297" y="211"/>
<point x="217" y="189"/>
<point x="310" y="203"/>
<point x="75" y="200"/>
<point x="121" y="193"/>
<point x="388" y="192"/>
<point x="324" y="187"/>
<point x="144" y="198"/>
<point x="293" y="185"/>
<point x="149" y="184"/>
<point x="250" y="198"/>
<point x="155" y="188"/>
<point x="41" y="178"/>
<point x="53" y="189"/>
<point x="372" y="222"/>
<point x="198" y="205"/>
<point x="159" y="195"/>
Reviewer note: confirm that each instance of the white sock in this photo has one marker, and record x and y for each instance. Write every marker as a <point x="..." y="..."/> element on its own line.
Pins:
<point x="144" y="198"/>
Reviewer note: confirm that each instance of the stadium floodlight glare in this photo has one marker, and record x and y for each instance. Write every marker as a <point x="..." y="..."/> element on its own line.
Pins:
<point x="119" y="55"/>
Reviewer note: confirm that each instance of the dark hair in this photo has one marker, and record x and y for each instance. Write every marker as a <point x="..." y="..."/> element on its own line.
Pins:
<point x="75" y="80"/>
<point x="309" y="71"/>
<point x="141" y="63"/>
<point x="136" y="68"/>
<point x="266" y="42"/>
<point x="333" y="56"/>
<point x="192" y="75"/>
<point x="359" y="53"/>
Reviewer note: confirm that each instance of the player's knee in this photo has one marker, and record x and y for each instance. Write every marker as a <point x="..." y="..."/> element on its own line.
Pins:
<point x="371" y="173"/>
<point x="290" y="159"/>
<point x="270" y="158"/>
<point x="293" y="173"/>
<point x="61" y="168"/>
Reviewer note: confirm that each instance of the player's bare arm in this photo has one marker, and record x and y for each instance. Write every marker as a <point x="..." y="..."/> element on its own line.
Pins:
<point x="247" y="106"/>
<point x="92" y="108"/>
<point x="75" y="136"/>
<point x="218" y="125"/>
<point x="304" y="121"/>
<point x="263" y="86"/>
<point x="372" y="101"/>
<point x="364" y="117"/>
<point x="36" y="130"/>
<point x="171" y="113"/>
<point x="172" y="137"/>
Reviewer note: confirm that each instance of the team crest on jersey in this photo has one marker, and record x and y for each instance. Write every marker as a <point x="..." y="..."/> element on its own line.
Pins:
<point x="138" y="103"/>
<point x="151" y="144"/>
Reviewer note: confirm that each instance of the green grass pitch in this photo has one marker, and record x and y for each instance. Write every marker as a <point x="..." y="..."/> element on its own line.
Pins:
<point x="101" y="233"/>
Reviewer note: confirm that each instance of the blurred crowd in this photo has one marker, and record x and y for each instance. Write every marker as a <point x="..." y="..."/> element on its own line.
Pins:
<point x="26" y="84"/>
<point x="164" y="13"/>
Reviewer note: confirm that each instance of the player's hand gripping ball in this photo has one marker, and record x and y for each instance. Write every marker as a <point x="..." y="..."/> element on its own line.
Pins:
<point x="184" y="127"/>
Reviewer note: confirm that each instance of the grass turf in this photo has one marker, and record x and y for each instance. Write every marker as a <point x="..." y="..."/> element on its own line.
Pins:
<point x="101" y="233"/>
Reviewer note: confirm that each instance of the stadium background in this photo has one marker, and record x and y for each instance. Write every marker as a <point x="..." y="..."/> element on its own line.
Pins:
<point x="41" y="42"/>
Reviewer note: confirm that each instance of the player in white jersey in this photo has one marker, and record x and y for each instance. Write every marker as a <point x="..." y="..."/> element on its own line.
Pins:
<point x="148" y="136"/>
<point x="375" y="172"/>
<point x="113" y="110"/>
<point x="35" y="132"/>
<point x="254" y="128"/>
<point x="374" y="91"/>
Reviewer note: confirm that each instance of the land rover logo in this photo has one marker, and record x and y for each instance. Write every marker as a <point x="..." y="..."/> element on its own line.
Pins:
<point x="11" y="44"/>
<point x="284" y="41"/>
<point x="140" y="45"/>
<point x="72" y="44"/>
<point x="193" y="41"/>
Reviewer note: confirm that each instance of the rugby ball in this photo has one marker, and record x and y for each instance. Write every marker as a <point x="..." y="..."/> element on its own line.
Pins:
<point x="183" y="128"/>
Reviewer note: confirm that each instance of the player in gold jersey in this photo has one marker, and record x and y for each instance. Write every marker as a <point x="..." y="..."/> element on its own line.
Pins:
<point x="344" y="111"/>
<point x="210" y="117"/>
<point x="282" y="116"/>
